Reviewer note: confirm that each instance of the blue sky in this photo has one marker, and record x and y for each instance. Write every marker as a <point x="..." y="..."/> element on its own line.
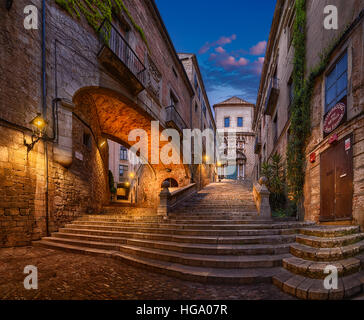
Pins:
<point x="229" y="38"/>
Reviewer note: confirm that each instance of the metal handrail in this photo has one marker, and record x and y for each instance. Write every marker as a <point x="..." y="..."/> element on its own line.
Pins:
<point x="273" y="84"/>
<point x="111" y="37"/>
<point x="173" y="108"/>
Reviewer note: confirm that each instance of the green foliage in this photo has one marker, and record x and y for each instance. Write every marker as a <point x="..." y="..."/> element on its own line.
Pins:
<point x="112" y="183"/>
<point x="300" y="118"/>
<point x="275" y="173"/>
<point x="96" y="11"/>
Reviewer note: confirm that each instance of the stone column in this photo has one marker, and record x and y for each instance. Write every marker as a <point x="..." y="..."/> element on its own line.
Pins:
<point x="163" y="200"/>
<point x="265" y="211"/>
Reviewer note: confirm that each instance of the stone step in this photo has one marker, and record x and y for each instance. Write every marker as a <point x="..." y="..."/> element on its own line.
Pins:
<point x="326" y="254"/>
<point x="313" y="289"/>
<point x="330" y="231"/>
<point x="170" y="222"/>
<point x="198" y="248"/>
<point x="209" y="215"/>
<point x="272" y="239"/>
<point x="190" y="273"/>
<point x="320" y="242"/>
<point x="218" y="227"/>
<point x="189" y="259"/>
<point x="315" y="270"/>
<point x="108" y="231"/>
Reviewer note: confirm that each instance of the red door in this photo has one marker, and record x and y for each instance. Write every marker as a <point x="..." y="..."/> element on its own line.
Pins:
<point x="337" y="181"/>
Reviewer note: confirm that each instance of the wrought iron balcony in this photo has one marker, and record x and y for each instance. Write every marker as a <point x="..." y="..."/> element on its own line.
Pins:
<point x="272" y="96"/>
<point x="257" y="145"/>
<point x="174" y="119"/>
<point x="119" y="59"/>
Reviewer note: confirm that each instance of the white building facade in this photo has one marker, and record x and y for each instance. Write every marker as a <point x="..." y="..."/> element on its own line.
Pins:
<point x="234" y="118"/>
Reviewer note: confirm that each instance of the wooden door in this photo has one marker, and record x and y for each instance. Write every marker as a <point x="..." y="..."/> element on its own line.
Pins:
<point x="337" y="181"/>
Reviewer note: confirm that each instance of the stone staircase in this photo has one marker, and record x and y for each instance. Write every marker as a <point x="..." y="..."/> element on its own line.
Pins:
<point x="316" y="248"/>
<point x="216" y="236"/>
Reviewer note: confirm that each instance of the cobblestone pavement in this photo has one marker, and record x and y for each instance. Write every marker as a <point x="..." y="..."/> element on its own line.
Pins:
<point x="65" y="275"/>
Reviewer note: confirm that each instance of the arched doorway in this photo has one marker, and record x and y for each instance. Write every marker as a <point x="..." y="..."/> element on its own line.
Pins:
<point x="172" y="182"/>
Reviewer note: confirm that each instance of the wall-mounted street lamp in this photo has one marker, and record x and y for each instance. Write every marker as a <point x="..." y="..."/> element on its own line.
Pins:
<point x="102" y="143"/>
<point x="39" y="126"/>
<point x="131" y="175"/>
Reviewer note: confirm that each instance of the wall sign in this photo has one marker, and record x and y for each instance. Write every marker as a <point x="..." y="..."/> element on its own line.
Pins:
<point x="334" y="117"/>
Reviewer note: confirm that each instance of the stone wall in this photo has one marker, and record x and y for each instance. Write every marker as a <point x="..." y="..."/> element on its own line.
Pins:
<point x="354" y="125"/>
<point x="71" y="67"/>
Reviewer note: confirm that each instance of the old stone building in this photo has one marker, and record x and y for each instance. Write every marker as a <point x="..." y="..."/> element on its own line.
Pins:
<point x="234" y="119"/>
<point x="91" y="80"/>
<point x="334" y="152"/>
<point x="201" y="117"/>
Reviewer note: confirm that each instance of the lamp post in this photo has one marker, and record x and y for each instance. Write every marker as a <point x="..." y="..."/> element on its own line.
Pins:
<point x="39" y="126"/>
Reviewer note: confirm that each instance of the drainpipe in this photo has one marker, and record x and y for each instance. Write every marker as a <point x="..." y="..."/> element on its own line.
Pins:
<point x="44" y="109"/>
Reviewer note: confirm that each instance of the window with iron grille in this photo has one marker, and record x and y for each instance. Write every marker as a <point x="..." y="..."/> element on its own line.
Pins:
<point x="123" y="153"/>
<point x="123" y="171"/>
<point x="337" y="83"/>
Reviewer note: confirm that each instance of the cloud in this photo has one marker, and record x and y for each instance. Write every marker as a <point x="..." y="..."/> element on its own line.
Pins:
<point x="220" y="50"/>
<point x="258" y="65"/>
<point x="220" y="42"/>
<point x="259" y="48"/>
<point x="226" y="61"/>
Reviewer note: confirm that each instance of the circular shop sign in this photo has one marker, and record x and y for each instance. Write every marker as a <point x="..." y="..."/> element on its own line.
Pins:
<point x="334" y="117"/>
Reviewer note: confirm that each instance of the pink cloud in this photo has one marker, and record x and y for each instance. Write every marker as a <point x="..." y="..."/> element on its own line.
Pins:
<point x="228" y="62"/>
<point x="258" y="65"/>
<point x="259" y="48"/>
<point x="220" y="42"/>
<point x="220" y="50"/>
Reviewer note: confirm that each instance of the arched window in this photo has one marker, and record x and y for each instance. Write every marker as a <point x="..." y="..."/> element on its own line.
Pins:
<point x="172" y="183"/>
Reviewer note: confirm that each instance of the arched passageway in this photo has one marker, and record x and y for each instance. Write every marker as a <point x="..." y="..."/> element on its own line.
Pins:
<point x="111" y="115"/>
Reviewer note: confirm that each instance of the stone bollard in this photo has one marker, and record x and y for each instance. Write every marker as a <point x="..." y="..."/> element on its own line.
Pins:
<point x="265" y="211"/>
<point x="163" y="200"/>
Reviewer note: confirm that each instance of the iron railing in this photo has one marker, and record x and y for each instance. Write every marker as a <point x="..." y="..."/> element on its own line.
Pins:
<point x="273" y="88"/>
<point x="172" y="115"/>
<point x="113" y="39"/>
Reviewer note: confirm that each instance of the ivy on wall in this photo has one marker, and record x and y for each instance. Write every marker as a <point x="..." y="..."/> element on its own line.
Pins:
<point x="301" y="111"/>
<point x="300" y="119"/>
<point x="96" y="11"/>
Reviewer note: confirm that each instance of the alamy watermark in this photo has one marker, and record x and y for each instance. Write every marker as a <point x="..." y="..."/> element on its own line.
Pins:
<point x="331" y="282"/>
<point x="31" y="280"/>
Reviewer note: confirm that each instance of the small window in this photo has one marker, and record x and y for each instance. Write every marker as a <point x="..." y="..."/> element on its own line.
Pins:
<point x="240" y="122"/>
<point x="123" y="171"/>
<point x="196" y="82"/>
<point x="173" y="99"/>
<point x="123" y="153"/>
<point x="196" y="107"/>
<point x="275" y="129"/>
<point x="337" y="83"/>
<point x="227" y="122"/>
<point x="87" y="140"/>
<point x="204" y="108"/>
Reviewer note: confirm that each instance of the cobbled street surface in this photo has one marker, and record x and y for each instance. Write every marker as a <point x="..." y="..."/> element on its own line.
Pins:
<point x="68" y="276"/>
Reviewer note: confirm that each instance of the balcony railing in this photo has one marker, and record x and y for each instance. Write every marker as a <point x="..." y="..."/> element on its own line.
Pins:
<point x="257" y="145"/>
<point x="120" y="59"/>
<point x="272" y="96"/>
<point x="174" y="119"/>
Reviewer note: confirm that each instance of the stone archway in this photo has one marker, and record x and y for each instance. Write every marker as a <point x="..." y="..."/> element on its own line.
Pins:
<point x="111" y="115"/>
